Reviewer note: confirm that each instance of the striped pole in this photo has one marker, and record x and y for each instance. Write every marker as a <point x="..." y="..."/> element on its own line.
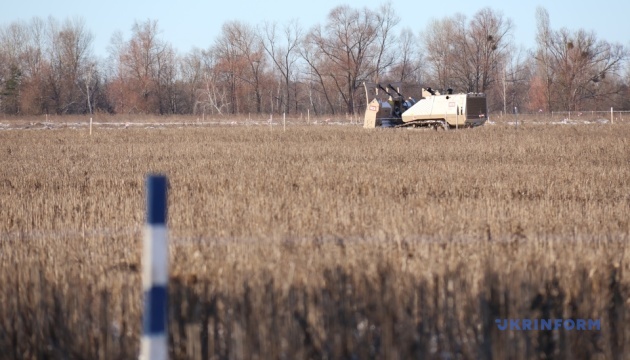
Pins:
<point x="155" y="272"/>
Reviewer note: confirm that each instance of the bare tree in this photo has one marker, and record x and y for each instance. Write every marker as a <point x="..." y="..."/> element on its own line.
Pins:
<point x="240" y="59"/>
<point x="490" y="37"/>
<point x="439" y="50"/>
<point x="210" y="94"/>
<point x="469" y="55"/>
<point x="250" y="56"/>
<point x="386" y="53"/>
<point x="284" y="52"/>
<point x="191" y="74"/>
<point x="71" y="60"/>
<point x="90" y="84"/>
<point x="13" y="39"/>
<point x="513" y="83"/>
<point x="583" y="63"/>
<point x="44" y="65"/>
<point x="140" y="59"/>
<point x="347" y="44"/>
<point x="167" y="73"/>
<point x="407" y="66"/>
<point x="546" y="71"/>
<point x="227" y="64"/>
<point x="143" y="71"/>
<point x="576" y="66"/>
<point x="313" y="57"/>
<point x="116" y="73"/>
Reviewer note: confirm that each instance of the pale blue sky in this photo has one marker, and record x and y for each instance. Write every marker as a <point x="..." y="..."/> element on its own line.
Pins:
<point x="196" y="23"/>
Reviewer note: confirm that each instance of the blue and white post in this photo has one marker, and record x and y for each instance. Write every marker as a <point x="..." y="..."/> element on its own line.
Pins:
<point x="155" y="272"/>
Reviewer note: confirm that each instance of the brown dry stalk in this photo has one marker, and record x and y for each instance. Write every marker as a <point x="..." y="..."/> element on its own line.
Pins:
<point x="318" y="242"/>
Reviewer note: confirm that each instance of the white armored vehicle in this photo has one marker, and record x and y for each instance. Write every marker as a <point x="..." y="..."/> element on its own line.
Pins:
<point x="431" y="110"/>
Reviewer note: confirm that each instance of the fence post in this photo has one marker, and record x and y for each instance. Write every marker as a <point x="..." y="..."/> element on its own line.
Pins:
<point x="611" y="115"/>
<point x="155" y="272"/>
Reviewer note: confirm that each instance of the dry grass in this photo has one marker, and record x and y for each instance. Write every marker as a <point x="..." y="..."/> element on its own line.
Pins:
<point x="319" y="242"/>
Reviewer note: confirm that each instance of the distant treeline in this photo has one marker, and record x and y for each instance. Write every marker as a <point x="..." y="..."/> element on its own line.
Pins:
<point x="48" y="66"/>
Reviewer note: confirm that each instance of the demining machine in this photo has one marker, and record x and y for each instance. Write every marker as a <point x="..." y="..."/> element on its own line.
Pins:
<point x="389" y="108"/>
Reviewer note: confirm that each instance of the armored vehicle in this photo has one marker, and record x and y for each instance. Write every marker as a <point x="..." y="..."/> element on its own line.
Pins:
<point x="431" y="110"/>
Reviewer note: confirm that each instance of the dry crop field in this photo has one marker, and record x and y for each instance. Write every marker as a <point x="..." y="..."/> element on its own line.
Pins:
<point x="321" y="242"/>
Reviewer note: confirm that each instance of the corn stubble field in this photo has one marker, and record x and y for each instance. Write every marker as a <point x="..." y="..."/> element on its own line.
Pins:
<point x="320" y="242"/>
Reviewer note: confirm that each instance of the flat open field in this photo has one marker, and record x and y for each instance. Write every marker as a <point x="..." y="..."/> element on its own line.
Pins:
<point x="320" y="242"/>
